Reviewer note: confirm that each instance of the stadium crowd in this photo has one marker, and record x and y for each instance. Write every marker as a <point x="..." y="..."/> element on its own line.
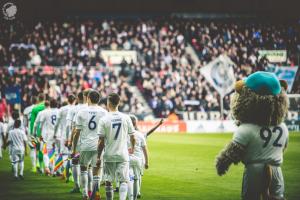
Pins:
<point x="166" y="74"/>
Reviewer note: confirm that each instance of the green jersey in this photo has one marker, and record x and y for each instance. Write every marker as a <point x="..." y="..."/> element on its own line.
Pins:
<point x="34" y="113"/>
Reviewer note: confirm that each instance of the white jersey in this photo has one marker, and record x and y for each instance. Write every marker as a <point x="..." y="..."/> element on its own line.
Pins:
<point x="263" y="144"/>
<point x="71" y="116"/>
<point x="115" y="128"/>
<point x="140" y="143"/>
<point x="62" y="117"/>
<point x="17" y="137"/>
<point x="87" y="120"/>
<point x="47" y="118"/>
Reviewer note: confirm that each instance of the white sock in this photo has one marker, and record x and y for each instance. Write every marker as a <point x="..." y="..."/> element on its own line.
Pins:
<point x="123" y="191"/>
<point x="21" y="165"/>
<point x="140" y="185"/>
<point x="109" y="192"/>
<point x="84" y="183"/>
<point x="136" y="187"/>
<point x="130" y="190"/>
<point x="33" y="157"/>
<point x="90" y="175"/>
<point x="15" y="167"/>
<point x="76" y="172"/>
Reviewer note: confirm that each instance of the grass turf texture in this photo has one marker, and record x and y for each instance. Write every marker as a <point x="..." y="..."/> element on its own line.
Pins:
<point x="181" y="167"/>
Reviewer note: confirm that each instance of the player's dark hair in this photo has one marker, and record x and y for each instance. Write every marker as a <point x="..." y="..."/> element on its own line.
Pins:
<point x="64" y="103"/>
<point x="94" y="96"/>
<point x="114" y="99"/>
<point x="86" y="92"/>
<point x="80" y="97"/>
<point x="15" y="115"/>
<point x="17" y="123"/>
<point x="71" y="98"/>
<point x="34" y="100"/>
<point x="47" y="103"/>
<point x="102" y="101"/>
<point x="53" y="103"/>
<point x="41" y="97"/>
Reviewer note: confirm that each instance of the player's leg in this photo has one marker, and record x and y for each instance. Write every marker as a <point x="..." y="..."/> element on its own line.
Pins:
<point x="21" y="165"/>
<point x="32" y="156"/>
<point x="277" y="184"/>
<point x="76" y="174"/>
<point x="84" y="162"/>
<point x="46" y="163"/>
<point x="14" y="162"/>
<point x="252" y="187"/>
<point x="130" y="183"/>
<point x="95" y="195"/>
<point x="122" y="170"/>
<point x="90" y="180"/>
<point x="109" y="177"/>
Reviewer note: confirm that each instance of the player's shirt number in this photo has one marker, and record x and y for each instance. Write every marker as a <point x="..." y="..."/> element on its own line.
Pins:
<point x="53" y="119"/>
<point x="92" y="123"/>
<point x="117" y="127"/>
<point x="266" y="135"/>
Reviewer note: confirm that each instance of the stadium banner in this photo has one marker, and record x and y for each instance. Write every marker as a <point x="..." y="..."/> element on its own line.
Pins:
<point x="115" y="57"/>
<point x="166" y="127"/>
<point x="219" y="73"/>
<point x="286" y="73"/>
<point x="13" y="94"/>
<point x="210" y="126"/>
<point x="274" y="56"/>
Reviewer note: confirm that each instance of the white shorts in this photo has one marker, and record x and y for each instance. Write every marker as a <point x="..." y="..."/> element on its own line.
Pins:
<point x="17" y="156"/>
<point x="253" y="181"/>
<point x="136" y="164"/>
<point x="113" y="170"/>
<point x="88" y="158"/>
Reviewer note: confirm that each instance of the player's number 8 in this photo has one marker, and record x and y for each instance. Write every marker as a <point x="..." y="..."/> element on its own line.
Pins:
<point x="266" y="134"/>
<point x="92" y="124"/>
<point x="53" y="119"/>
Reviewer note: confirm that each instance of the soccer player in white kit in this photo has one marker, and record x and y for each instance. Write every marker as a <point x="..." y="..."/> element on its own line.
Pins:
<point x="71" y="116"/>
<point x="2" y="138"/>
<point x="26" y="121"/>
<point x="17" y="141"/>
<point x="138" y="161"/>
<point x="62" y="135"/>
<point x="114" y="130"/>
<point x="47" y="119"/>
<point x="87" y="134"/>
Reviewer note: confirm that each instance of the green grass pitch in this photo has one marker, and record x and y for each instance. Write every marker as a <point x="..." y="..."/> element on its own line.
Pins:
<point x="181" y="167"/>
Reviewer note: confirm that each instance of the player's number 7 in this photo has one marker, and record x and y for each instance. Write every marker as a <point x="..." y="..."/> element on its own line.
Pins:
<point x="118" y="125"/>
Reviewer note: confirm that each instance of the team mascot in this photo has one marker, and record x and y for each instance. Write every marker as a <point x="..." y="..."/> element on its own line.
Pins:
<point x="259" y="105"/>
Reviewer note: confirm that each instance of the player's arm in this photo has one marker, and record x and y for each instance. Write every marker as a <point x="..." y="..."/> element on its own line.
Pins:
<point x="132" y="141"/>
<point x="234" y="151"/>
<point x="155" y="127"/>
<point x="145" y="151"/>
<point x="77" y="130"/>
<point x="25" y="142"/>
<point x="75" y="141"/>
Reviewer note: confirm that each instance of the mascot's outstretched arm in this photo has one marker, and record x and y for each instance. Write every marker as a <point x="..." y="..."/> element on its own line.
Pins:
<point x="233" y="153"/>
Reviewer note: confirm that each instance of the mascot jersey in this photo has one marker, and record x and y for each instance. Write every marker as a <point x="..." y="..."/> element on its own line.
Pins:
<point x="264" y="144"/>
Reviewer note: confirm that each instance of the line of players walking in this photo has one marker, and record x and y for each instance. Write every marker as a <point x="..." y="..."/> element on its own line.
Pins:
<point x="90" y="143"/>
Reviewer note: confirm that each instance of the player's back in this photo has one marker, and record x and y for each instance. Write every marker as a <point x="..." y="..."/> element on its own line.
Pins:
<point x="62" y="114"/>
<point x="49" y="118"/>
<point x="140" y="142"/>
<point x="87" y="120"/>
<point x="263" y="144"/>
<point x="71" y="116"/>
<point x="115" y="128"/>
<point x="17" y="137"/>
